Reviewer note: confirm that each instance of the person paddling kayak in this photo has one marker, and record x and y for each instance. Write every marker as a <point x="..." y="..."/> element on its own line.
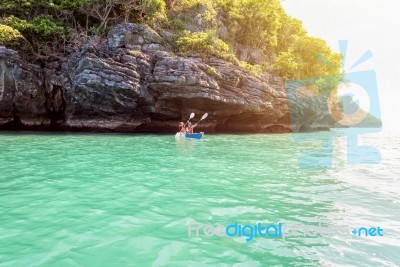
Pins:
<point x="189" y="128"/>
<point x="182" y="128"/>
<point x="187" y="132"/>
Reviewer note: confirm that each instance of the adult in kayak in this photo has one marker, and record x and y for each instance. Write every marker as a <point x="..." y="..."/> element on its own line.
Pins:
<point x="189" y="128"/>
<point x="187" y="133"/>
<point x="182" y="128"/>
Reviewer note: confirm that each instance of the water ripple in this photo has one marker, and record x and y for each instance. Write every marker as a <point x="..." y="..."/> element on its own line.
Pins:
<point x="126" y="200"/>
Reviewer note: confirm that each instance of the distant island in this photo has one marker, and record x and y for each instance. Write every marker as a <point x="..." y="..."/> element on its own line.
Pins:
<point x="358" y="117"/>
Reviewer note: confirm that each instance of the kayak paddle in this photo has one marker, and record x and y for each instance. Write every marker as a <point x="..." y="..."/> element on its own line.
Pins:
<point x="202" y="118"/>
<point x="191" y="116"/>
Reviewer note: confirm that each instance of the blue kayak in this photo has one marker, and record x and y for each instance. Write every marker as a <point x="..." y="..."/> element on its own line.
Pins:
<point x="190" y="136"/>
<point x="195" y="135"/>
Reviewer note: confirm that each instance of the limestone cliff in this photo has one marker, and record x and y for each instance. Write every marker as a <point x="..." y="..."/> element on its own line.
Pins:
<point x="133" y="82"/>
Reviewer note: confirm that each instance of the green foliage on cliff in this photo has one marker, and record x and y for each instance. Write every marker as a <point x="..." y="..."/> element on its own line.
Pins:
<point x="310" y="57"/>
<point x="255" y="70"/>
<point x="205" y="44"/>
<point x="9" y="35"/>
<point x="43" y="25"/>
<point x="219" y="28"/>
<point x="53" y="28"/>
<point x="253" y="23"/>
<point x="261" y="25"/>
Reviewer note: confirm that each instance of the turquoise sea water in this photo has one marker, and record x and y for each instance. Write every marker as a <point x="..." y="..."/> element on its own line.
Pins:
<point x="126" y="200"/>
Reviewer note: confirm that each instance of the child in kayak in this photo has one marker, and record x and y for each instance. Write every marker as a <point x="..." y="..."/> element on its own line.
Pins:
<point x="189" y="128"/>
<point x="182" y="128"/>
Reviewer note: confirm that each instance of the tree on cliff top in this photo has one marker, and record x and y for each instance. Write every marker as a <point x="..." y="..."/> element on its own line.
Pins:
<point x="196" y="24"/>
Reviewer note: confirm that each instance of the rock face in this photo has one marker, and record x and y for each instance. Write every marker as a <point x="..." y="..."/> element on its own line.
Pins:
<point x="133" y="82"/>
<point x="23" y="98"/>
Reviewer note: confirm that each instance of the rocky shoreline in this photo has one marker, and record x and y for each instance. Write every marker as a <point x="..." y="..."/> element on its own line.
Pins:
<point x="133" y="82"/>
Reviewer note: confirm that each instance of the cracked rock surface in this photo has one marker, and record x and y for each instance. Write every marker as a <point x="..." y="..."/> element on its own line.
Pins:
<point x="133" y="82"/>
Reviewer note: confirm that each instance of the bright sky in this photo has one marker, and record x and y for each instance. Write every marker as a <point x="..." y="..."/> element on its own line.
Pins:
<point x="367" y="25"/>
